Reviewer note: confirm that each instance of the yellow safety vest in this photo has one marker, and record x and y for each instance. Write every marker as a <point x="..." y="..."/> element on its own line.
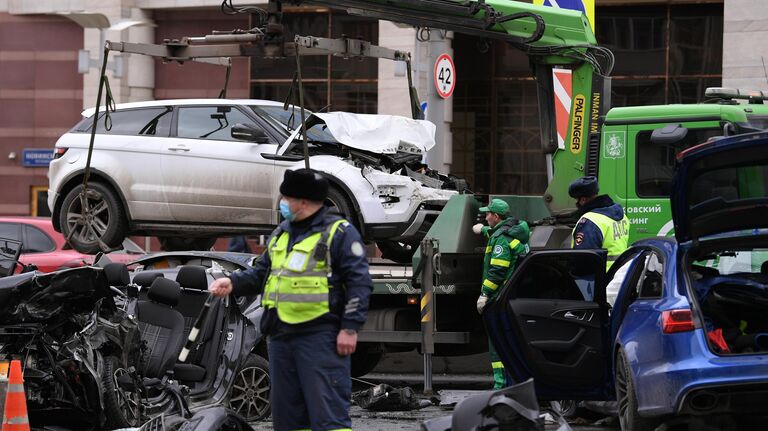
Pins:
<point x="615" y="234"/>
<point x="298" y="281"/>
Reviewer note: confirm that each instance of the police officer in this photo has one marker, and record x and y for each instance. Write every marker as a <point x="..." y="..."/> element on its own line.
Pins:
<point x="507" y="240"/>
<point x="315" y="299"/>
<point x="602" y="222"/>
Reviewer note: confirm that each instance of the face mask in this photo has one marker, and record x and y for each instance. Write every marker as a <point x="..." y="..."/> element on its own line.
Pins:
<point x="285" y="211"/>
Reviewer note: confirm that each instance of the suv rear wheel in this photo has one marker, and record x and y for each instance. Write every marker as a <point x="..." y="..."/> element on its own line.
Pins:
<point x="97" y="220"/>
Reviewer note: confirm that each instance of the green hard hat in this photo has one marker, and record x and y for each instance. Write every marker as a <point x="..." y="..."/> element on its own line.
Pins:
<point x="496" y="206"/>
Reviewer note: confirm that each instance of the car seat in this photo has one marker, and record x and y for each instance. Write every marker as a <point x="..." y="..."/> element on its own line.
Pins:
<point x="145" y="279"/>
<point x="194" y="281"/>
<point x="161" y="327"/>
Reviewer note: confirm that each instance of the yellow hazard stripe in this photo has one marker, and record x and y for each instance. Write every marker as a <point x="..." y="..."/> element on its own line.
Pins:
<point x="488" y="249"/>
<point x="500" y="262"/>
<point x="489" y="284"/>
<point x="497" y="365"/>
<point x="514" y="243"/>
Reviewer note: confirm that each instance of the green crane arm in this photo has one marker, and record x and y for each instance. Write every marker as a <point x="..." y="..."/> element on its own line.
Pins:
<point x="552" y="38"/>
<point x="538" y="30"/>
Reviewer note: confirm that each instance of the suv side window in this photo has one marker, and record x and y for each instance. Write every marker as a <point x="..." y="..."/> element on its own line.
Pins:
<point x="655" y="162"/>
<point x="35" y="241"/>
<point x="210" y="122"/>
<point x="137" y="122"/>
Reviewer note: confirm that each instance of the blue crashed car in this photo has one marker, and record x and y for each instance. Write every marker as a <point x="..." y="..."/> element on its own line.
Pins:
<point x="687" y="335"/>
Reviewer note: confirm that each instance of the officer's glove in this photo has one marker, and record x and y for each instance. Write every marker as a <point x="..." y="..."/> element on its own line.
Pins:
<point x="478" y="228"/>
<point x="481" y="301"/>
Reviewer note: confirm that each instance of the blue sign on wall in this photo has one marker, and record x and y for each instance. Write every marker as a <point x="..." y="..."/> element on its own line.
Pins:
<point x="37" y="157"/>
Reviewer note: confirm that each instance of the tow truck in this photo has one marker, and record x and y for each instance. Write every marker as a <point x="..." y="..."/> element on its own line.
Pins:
<point x="430" y="305"/>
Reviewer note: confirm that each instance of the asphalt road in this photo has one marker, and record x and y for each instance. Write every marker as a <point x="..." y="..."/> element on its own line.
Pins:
<point x="451" y="375"/>
<point x="396" y="421"/>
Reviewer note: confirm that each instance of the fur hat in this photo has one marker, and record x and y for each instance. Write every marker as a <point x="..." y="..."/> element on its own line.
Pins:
<point x="583" y="187"/>
<point x="304" y="184"/>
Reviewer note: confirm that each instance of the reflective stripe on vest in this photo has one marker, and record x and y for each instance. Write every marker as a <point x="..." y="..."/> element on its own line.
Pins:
<point x="615" y="234"/>
<point x="298" y="280"/>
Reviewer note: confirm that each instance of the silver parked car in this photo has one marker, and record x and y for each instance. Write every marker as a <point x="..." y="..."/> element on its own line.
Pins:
<point x="191" y="170"/>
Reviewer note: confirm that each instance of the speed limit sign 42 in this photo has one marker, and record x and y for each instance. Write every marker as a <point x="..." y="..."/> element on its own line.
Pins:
<point x="445" y="76"/>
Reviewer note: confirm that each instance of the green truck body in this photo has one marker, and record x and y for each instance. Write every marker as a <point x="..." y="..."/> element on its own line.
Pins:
<point x="617" y="145"/>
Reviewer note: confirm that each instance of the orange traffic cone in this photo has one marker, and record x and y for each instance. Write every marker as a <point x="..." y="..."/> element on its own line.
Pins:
<point x="15" y="418"/>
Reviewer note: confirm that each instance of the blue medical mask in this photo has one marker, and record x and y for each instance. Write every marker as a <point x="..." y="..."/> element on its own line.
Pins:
<point x="285" y="211"/>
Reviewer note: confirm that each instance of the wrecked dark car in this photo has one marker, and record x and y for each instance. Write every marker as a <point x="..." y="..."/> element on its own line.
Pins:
<point x="103" y="349"/>
<point x="71" y="338"/>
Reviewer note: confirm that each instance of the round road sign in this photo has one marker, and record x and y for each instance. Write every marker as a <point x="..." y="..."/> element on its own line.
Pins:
<point x="445" y="76"/>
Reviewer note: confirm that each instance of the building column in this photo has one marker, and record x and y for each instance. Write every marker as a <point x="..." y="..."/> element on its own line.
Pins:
<point x="393" y="84"/>
<point x="745" y="59"/>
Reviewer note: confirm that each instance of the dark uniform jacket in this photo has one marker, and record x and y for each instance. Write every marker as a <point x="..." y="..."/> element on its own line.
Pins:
<point x="350" y="283"/>
<point x="586" y="234"/>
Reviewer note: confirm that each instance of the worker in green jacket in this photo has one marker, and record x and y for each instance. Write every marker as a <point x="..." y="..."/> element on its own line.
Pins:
<point x="507" y="241"/>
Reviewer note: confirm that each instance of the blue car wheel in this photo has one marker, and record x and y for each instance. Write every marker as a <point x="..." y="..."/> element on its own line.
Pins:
<point x="629" y="418"/>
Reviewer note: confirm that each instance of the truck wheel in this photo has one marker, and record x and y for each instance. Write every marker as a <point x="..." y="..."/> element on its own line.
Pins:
<point x="364" y="361"/>
<point x="103" y="218"/>
<point x="629" y="418"/>
<point x="174" y="243"/>
<point x="122" y="408"/>
<point x="249" y="396"/>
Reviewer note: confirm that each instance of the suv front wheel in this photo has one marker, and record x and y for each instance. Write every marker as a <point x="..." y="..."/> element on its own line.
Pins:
<point x="93" y="220"/>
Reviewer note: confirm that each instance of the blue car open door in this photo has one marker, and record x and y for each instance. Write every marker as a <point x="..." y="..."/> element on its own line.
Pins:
<point x="550" y="322"/>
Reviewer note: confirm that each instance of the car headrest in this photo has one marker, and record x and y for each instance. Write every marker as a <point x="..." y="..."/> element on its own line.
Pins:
<point x="145" y="279"/>
<point x="164" y="291"/>
<point x="117" y="274"/>
<point x="192" y="277"/>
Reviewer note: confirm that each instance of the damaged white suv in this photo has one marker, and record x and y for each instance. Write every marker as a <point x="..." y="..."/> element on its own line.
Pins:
<point x="191" y="170"/>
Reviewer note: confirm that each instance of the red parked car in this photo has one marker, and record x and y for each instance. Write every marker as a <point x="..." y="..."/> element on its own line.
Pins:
<point x="47" y="249"/>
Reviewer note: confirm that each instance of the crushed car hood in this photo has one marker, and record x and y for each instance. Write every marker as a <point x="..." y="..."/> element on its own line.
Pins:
<point x="383" y="134"/>
<point x="37" y="297"/>
<point x="721" y="186"/>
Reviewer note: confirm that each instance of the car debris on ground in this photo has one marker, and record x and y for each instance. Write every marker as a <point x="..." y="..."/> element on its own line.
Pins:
<point x="386" y="398"/>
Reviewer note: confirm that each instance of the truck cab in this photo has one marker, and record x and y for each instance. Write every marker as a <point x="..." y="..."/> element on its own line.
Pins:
<point x="639" y="145"/>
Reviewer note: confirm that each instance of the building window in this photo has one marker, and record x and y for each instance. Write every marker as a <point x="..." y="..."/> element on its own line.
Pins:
<point x="39" y="201"/>
<point x="664" y="54"/>
<point x="330" y="83"/>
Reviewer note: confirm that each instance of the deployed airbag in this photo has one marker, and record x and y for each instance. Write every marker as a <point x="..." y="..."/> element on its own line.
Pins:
<point x="384" y="134"/>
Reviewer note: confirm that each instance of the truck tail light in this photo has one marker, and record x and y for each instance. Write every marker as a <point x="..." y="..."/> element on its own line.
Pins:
<point x="58" y="152"/>
<point x="673" y="321"/>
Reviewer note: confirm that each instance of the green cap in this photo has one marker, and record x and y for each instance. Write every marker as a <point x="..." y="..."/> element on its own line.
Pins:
<point x="496" y="206"/>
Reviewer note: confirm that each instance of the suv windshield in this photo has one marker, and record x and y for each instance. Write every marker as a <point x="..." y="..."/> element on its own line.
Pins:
<point x="286" y="121"/>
